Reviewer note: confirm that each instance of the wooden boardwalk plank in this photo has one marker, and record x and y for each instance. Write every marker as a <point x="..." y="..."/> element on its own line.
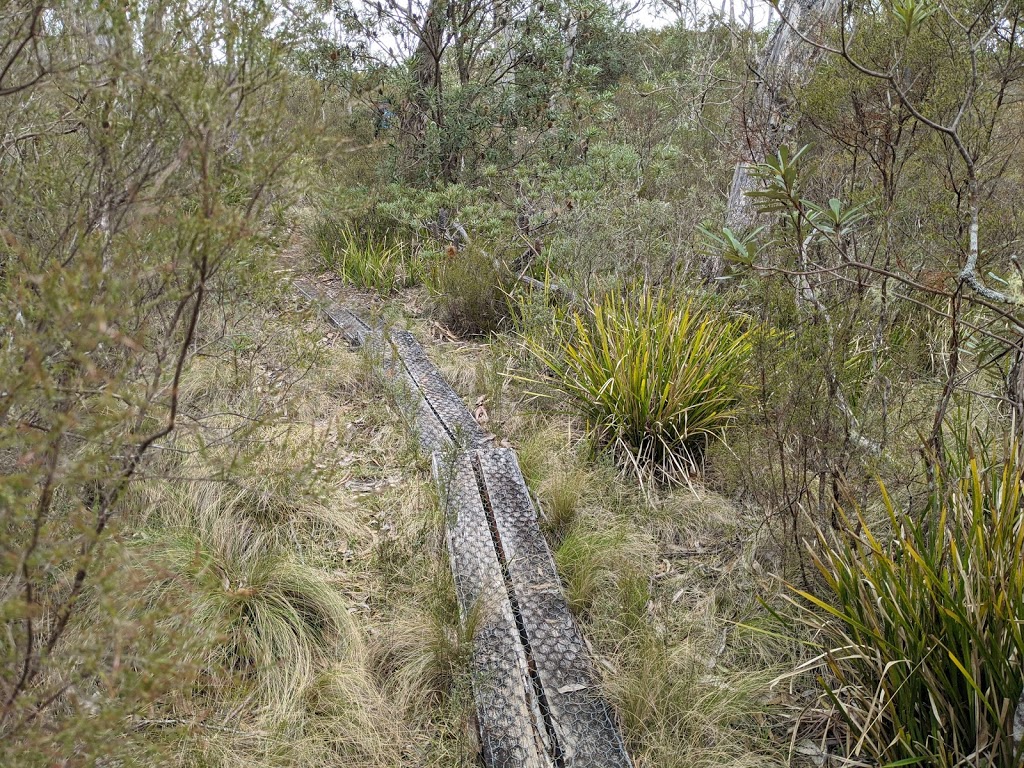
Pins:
<point x="584" y="723"/>
<point x="511" y="728"/>
<point x="352" y="327"/>
<point x="445" y="402"/>
<point x="536" y="689"/>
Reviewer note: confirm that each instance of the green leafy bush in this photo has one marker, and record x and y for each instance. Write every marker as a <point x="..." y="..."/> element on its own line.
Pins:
<point x="923" y="631"/>
<point x="656" y="378"/>
<point x="365" y="260"/>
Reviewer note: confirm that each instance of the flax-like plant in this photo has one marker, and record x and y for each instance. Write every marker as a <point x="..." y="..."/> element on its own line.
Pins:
<point x="656" y="377"/>
<point x="923" y="629"/>
<point x="365" y="261"/>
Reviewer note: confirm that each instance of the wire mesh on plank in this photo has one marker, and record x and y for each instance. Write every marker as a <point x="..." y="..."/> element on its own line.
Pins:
<point x="353" y="328"/>
<point x="430" y="432"/>
<point x="511" y="729"/>
<point x="584" y="723"/>
<point x="445" y="402"/>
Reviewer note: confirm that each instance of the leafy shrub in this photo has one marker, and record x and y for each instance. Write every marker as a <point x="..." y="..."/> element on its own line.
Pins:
<point x="925" y="632"/>
<point x="365" y="260"/>
<point x="655" y="379"/>
<point x="467" y="288"/>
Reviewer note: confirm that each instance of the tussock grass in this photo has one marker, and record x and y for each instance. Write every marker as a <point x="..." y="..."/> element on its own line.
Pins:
<point x="420" y="653"/>
<point x="363" y="259"/>
<point x="563" y="492"/>
<point x="688" y="687"/>
<point x="286" y="551"/>
<point x="587" y="558"/>
<point x="678" y="715"/>
<point x="468" y="291"/>
<point x="270" y="618"/>
<point x="660" y="583"/>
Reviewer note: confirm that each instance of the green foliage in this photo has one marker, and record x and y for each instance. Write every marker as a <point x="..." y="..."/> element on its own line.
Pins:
<point x="488" y="89"/>
<point x="406" y="210"/>
<point x="922" y="631"/>
<point x="656" y="377"/>
<point x="781" y="193"/>
<point x="365" y="260"/>
<point x="562" y="494"/>
<point x="468" y="290"/>
<point x="910" y="14"/>
<point x="143" y="171"/>
<point x="739" y="248"/>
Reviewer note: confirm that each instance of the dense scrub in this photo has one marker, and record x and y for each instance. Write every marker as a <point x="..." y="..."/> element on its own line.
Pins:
<point x="778" y="463"/>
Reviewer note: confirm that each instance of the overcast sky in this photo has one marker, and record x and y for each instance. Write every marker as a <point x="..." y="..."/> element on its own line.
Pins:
<point x="656" y="14"/>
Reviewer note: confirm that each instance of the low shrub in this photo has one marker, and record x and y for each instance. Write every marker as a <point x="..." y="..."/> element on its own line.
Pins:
<point x="923" y="629"/>
<point x="364" y="259"/>
<point x="656" y="378"/>
<point x="468" y="291"/>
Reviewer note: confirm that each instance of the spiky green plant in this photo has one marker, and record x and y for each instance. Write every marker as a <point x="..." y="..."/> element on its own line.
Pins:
<point x="923" y="629"/>
<point x="656" y="377"/>
<point x="366" y="261"/>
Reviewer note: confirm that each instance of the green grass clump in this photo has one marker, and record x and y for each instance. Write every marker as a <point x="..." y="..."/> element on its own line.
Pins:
<point x="468" y="291"/>
<point x="656" y="378"/>
<point x="365" y="260"/>
<point x="271" y="618"/>
<point x="923" y="630"/>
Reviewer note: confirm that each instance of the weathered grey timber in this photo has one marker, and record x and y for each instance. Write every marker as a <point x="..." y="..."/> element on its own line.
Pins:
<point x="511" y="726"/>
<point x="458" y="422"/>
<point x="536" y="688"/>
<point x="352" y="327"/>
<point x="583" y="723"/>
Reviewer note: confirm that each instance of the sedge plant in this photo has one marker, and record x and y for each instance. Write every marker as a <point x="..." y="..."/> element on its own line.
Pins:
<point x="923" y="626"/>
<point x="656" y="377"/>
<point x="366" y="261"/>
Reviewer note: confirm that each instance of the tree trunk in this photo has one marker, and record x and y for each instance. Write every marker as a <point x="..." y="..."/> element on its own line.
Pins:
<point x="426" y="62"/>
<point x="768" y="124"/>
<point x="1015" y="389"/>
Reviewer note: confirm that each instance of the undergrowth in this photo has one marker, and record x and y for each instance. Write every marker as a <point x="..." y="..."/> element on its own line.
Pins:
<point x="920" y="625"/>
<point x="284" y="566"/>
<point x="366" y="260"/>
<point x="656" y="376"/>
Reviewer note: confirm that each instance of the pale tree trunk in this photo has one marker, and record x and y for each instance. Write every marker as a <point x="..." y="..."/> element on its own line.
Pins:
<point x="153" y="28"/>
<point x="507" y="41"/>
<point x="426" y="104"/>
<point x="228" y="36"/>
<point x="572" y="34"/>
<point x="768" y="124"/>
<point x="94" y="43"/>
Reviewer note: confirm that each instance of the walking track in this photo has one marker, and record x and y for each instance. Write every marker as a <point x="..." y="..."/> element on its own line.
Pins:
<point x="536" y="688"/>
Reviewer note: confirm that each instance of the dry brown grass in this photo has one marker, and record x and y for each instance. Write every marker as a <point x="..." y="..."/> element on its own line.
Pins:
<point x="292" y="534"/>
<point x="332" y="486"/>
